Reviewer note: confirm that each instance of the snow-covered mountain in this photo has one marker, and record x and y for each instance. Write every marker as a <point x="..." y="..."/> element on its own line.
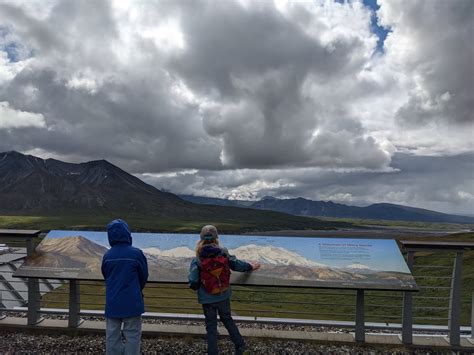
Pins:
<point x="152" y="251"/>
<point x="357" y="266"/>
<point x="272" y="255"/>
<point x="359" y="269"/>
<point x="179" y="252"/>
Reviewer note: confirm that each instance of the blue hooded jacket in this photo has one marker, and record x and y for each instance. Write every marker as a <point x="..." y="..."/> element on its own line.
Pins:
<point x="125" y="271"/>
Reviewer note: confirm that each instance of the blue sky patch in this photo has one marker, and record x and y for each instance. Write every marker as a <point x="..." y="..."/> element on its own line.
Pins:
<point x="380" y="31"/>
<point x="12" y="52"/>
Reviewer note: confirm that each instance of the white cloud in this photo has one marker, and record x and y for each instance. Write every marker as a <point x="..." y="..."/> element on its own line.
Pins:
<point x="240" y="86"/>
<point x="11" y="118"/>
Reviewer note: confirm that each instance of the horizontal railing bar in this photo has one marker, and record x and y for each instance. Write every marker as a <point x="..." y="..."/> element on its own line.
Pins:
<point x="432" y="318"/>
<point x="434" y="277"/>
<point x="15" y="281"/>
<point x="434" y="287"/>
<point x="382" y="305"/>
<point x="173" y="307"/>
<point x="433" y="266"/>
<point x="92" y="304"/>
<point x="384" y="296"/>
<point x="10" y="290"/>
<point x="292" y="312"/>
<point x="440" y="308"/>
<point x="170" y="297"/>
<point x="256" y="310"/>
<point x="47" y="301"/>
<point x="14" y="299"/>
<point x="167" y="286"/>
<point x="291" y="302"/>
<point x="295" y="292"/>
<point x="428" y="297"/>
<point x="382" y="316"/>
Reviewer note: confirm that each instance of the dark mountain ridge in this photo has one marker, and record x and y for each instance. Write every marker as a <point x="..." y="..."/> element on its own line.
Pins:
<point x="32" y="184"/>
<point x="47" y="187"/>
<point x="303" y="207"/>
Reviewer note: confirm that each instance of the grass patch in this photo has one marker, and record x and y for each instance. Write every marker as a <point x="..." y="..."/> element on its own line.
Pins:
<point x="425" y="226"/>
<point x="160" y="224"/>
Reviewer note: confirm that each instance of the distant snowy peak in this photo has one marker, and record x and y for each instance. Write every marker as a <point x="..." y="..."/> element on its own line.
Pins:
<point x="179" y="252"/>
<point x="358" y="266"/>
<point x="152" y="251"/>
<point x="272" y="255"/>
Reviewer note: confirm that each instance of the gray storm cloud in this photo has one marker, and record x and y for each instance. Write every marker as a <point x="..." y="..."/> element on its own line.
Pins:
<point x="433" y="44"/>
<point x="233" y="94"/>
<point x="232" y="89"/>
<point x="440" y="183"/>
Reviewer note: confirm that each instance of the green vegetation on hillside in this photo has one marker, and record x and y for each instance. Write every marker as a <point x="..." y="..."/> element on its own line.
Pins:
<point x="425" y="226"/>
<point x="260" y="222"/>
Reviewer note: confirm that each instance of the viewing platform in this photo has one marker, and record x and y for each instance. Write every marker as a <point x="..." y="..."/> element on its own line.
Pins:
<point x="311" y="316"/>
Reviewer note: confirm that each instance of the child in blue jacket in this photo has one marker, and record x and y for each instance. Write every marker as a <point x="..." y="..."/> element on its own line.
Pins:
<point x="216" y="301"/>
<point x="125" y="272"/>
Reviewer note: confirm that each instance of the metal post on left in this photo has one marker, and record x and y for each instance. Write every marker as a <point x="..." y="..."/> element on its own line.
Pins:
<point x="360" y="317"/>
<point x="34" y="302"/>
<point x="74" y="304"/>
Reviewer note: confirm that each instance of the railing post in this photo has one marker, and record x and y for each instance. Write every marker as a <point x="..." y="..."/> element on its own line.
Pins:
<point x="360" y="321"/>
<point x="74" y="304"/>
<point x="472" y="318"/>
<point x="2" y="315"/>
<point x="33" y="316"/>
<point x="455" y="302"/>
<point x="407" y="323"/>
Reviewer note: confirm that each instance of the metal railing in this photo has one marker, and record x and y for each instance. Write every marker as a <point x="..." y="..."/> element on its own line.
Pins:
<point x="437" y="302"/>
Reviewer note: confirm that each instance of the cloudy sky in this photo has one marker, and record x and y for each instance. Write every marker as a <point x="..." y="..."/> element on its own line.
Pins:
<point x="355" y="102"/>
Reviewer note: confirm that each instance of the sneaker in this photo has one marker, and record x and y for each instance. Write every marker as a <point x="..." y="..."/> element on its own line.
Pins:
<point x="243" y="351"/>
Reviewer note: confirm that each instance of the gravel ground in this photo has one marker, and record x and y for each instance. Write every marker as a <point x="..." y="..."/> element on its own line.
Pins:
<point x="28" y="343"/>
<point x="24" y="342"/>
<point x="256" y="325"/>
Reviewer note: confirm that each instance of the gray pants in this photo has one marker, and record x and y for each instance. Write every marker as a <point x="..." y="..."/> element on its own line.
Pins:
<point x="123" y="335"/>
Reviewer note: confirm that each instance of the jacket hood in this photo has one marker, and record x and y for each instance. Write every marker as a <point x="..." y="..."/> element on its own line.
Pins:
<point x="118" y="232"/>
<point x="210" y="250"/>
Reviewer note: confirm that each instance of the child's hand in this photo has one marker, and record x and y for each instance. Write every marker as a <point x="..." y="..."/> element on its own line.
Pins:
<point x="255" y="265"/>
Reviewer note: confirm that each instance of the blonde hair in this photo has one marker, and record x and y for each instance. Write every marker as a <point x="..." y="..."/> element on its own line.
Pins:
<point x="203" y="242"/>
<point x="206" y="231"/>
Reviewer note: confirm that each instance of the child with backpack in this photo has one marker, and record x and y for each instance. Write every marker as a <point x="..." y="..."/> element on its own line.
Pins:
<point x="209" y="275"/>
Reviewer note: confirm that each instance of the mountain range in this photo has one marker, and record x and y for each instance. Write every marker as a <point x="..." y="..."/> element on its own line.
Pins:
<point x="71" y="252"/>
<point x="48" y="187"/>
<point x="304" y="207"/>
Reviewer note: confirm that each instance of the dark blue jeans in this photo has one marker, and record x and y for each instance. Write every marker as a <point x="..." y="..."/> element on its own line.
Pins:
<point x="210" y="312"/>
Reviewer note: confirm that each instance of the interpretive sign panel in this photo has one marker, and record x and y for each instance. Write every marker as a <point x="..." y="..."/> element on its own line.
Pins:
<point x="286" y="261"/>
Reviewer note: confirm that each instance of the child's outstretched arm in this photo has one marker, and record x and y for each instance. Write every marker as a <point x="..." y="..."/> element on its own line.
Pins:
<point x="240" y="265"/>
